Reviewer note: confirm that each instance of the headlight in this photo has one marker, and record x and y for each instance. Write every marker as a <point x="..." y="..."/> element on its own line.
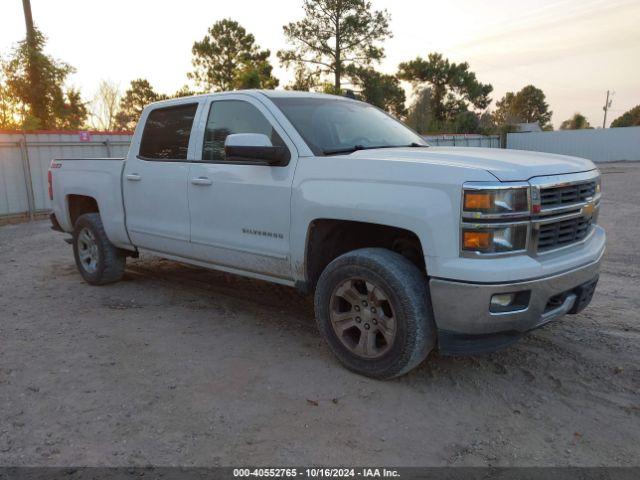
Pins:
<point x="494" y="239"/>
<point x="479" y="202"/>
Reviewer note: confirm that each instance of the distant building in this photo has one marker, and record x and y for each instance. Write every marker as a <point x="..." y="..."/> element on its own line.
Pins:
<point x="528" y="127"/>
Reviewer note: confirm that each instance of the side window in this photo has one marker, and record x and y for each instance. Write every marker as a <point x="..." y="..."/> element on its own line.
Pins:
<point x="166" y="133"/>
<point x="233" y="116"/>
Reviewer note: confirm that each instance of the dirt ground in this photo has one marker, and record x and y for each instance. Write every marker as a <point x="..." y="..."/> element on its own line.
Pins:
<point x="181" y="366"/>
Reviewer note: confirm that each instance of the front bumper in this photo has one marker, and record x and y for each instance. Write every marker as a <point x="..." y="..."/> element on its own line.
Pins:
<point x="462" y="310"/>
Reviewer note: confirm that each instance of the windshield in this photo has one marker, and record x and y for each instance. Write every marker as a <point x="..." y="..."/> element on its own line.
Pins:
<point x="332" y="125"/>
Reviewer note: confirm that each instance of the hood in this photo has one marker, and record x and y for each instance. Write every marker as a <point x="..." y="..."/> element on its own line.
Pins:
<point x="505" y="165"/>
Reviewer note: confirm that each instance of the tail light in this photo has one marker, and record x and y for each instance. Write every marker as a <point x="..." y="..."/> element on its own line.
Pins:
<point x="54" y="164"/>
<point x="50" y="181"/>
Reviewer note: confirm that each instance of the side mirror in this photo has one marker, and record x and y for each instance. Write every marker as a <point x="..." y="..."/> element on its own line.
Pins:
<point x="254" y="148"/>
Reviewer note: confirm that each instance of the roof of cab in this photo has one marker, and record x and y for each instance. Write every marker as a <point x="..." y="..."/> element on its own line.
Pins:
<point x="297" y="94"/>
<point x="266" y="93"/>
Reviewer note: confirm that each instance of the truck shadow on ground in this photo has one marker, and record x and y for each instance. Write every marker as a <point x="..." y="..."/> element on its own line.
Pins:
<point x="211" y="284"/>
<point x="541" y="361"/>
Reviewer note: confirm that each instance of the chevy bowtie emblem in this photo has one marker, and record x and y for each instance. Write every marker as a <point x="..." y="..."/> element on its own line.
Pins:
<point x="588" y="208"/>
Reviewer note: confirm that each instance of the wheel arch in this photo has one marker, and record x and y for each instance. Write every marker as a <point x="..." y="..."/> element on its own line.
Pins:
<point x="79" y="205"/>
<point x="328" y="238"/>
<point x="78" y="202"/>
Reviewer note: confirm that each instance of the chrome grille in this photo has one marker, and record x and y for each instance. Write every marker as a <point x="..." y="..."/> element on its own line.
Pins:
<point x="563" y="233"/>
<point x="552" y="197"/>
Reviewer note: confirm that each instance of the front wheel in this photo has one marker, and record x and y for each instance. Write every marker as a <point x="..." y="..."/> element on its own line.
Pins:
<point x="374" y="311"/>
<point x="98" y="260"/>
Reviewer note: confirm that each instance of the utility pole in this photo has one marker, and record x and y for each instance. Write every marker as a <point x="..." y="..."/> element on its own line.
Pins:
<point x="607" y="106"/>
<point x="36" y="100"/>
<point x="28" y="20"/>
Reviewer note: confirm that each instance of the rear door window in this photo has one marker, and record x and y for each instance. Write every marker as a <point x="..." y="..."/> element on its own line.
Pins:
<point x="167" y="131"/>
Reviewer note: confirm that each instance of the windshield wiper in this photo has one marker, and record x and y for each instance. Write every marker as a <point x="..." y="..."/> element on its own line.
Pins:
<point x="355" y="148"/>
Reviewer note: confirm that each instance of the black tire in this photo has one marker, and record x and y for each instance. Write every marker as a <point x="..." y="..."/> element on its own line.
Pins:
<point x="110" y="263"/>
<point x="407" y="292"/>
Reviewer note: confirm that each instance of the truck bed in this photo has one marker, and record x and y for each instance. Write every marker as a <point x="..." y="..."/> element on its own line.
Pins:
<point x="99" y="179"/>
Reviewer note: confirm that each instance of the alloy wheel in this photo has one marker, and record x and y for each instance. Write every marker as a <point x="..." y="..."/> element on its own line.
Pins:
<point x="88" y="250"/>
<point x="362" y="318"/>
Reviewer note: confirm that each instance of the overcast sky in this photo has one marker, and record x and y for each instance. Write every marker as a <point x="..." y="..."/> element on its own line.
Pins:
<point x="575" y="50"/>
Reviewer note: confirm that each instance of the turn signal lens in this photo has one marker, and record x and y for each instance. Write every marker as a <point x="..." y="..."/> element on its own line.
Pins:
<point x="495" y="240"/>
<point x="476" y="240"/>
<point x="478" y="201"/>
<point x="50" y="183"/>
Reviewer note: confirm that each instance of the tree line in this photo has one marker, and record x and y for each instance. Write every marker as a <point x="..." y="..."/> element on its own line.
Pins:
<point x="334" y="48"/>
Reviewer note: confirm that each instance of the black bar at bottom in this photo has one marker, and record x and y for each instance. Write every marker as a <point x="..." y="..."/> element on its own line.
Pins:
<point x="432" y="473"/>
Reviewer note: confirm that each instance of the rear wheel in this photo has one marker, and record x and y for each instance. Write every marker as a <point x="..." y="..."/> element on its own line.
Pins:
<point x="373" y="309"/>
<point x="98" y="260"/>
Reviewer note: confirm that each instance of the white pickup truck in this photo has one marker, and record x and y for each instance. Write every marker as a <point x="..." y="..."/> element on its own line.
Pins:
<point x="407" y="247"/>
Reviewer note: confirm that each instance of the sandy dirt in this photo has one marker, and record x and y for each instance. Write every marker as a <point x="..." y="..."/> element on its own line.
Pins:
<point x="177" y="365"/>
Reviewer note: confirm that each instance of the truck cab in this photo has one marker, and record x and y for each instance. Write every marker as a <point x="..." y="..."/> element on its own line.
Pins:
<point x="335" y="197"/>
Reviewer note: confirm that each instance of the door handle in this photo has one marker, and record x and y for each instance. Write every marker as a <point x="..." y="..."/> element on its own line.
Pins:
<point x="201" y="181"/>
<point x="134" y="177"/>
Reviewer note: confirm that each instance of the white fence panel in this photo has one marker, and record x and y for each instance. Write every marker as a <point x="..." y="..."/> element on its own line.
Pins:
<point x="463" y="140"/>
<point x="599" y="145"/>
<point x="13" y="187"/>
<point x="25" y="159"/>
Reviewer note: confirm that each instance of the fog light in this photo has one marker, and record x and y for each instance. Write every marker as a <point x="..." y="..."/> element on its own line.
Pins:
<point x="502" y="300"/>
<point x="510" y="302"/>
